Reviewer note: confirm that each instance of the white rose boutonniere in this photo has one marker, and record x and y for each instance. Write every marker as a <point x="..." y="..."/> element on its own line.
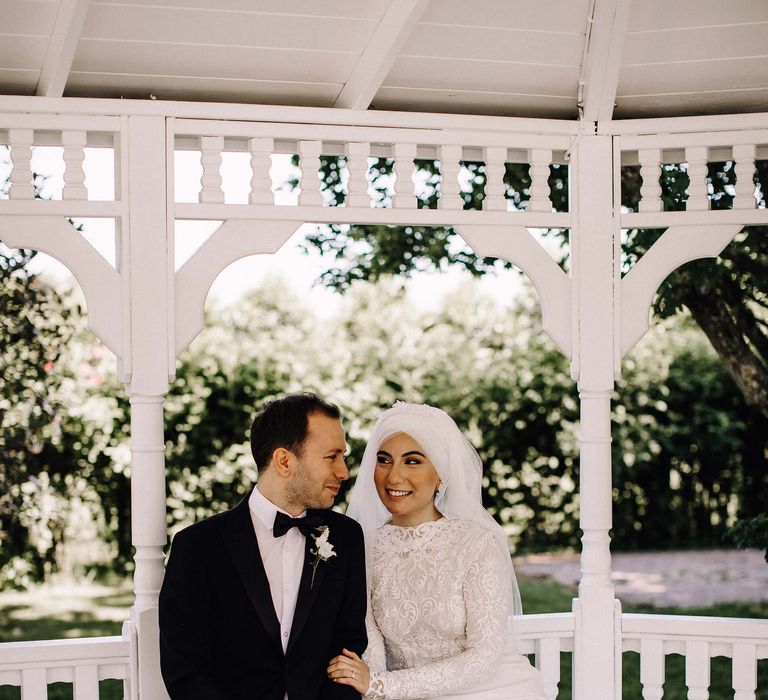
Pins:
<point x="323" y="549"/>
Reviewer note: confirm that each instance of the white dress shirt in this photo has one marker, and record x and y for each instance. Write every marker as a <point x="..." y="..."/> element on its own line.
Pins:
<point x="283" y="559"/>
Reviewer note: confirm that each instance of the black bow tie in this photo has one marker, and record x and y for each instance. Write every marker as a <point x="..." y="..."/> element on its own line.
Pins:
<point x="284" y="522"/>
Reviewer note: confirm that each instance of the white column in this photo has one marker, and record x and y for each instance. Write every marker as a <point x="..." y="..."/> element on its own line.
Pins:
<point x="594" y="270"/>
<point x="150" y="275"/>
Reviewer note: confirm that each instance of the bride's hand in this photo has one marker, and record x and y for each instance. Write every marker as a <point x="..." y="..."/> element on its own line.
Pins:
<point x="349" y="669"/>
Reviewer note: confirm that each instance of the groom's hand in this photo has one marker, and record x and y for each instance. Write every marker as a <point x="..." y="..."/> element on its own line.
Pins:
<point x="349" y="669"/>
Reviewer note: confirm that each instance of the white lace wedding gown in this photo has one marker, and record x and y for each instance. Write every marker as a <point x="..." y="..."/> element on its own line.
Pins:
<point x="438" y="620"/>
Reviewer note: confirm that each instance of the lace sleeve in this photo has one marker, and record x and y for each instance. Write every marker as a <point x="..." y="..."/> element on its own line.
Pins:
<point x="375" y="656"/>
<point x="485" y="597"/>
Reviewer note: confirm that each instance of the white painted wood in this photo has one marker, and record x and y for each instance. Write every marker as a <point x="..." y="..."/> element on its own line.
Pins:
<point x="383" y="48"/>
<point x="697" y="670"/>
<point x="696" y="157"/>
<point x="744" y="671"/>
<point x="604" y="46"/>
<point x="744" y="155"/>
<point x="540" y="159"/>
<point x="62" y="47"/>
<point x="652" y="668"/>
<point x="34" y="684"/>
<point x="516" y="245"/>
<point x="21" y="141"/>
<point x="233" y="240"/>
<point x="309" y="162"/>
<point x="650" y="172"/>
<point x="404" y="155"/>
<point x="495" y="189"/>
<point x="450" y="191"/>
<point x="357" y="164"/>
<point x="710" y="217"/>
<point x="593" y="238"/>
<point x="548" y="662"/>
<point x="676" y="246"/>
<point x="210" y="158"/>
<point x="86" y="683"/>
<point x="261" y="162"/>
<point x="74" y="143"/>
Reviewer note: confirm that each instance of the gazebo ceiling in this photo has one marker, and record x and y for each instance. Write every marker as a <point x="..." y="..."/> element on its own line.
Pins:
<point x="651" y="58"/>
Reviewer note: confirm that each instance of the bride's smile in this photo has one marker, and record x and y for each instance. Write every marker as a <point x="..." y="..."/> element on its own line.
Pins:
<point x="406" y="481"/>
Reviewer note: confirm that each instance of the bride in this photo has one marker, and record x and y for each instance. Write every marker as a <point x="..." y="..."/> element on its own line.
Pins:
<point x="442" y="587"/>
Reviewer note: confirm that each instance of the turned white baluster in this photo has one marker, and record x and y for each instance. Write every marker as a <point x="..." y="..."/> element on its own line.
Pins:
<point x="261" y="182"/>
<point x="309" y="162"/>
<point x="357" y="164"/>
<point x="540" y="158"/>
<point x="548" y="662"/>
<point x="404" y="155"/>
<point x="74" y="157"/>
<point x="652" y="668"/>
<point x="744" y="671"/>
<point x="697" y="670"/>
<point x="450" y="165"/>
<point x="495" y="189"/>
<point x="744" y="155"/>
<point x="650" y="172"/>
<point x="696" y="157"/>
<point x="210" y="157"/>
<point x="21" y="141"/>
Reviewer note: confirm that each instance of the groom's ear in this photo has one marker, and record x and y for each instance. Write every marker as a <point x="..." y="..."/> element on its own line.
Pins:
<point x="284" y="461"/>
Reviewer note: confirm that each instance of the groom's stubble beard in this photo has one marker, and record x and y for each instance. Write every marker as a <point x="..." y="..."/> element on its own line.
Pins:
<point x="303" y="492"/>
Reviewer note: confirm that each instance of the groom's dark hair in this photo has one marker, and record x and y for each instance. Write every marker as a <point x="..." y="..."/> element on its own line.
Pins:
<point x="284" y="422"/>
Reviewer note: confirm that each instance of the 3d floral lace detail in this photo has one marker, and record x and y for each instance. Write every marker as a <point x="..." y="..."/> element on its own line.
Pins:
<point x="438" y="595"/>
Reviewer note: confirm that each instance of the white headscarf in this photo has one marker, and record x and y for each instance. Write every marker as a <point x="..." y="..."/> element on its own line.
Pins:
<point x="458" y="466"/>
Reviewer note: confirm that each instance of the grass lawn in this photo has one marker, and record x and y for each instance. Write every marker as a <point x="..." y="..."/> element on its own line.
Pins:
<point x="87" y="610"/>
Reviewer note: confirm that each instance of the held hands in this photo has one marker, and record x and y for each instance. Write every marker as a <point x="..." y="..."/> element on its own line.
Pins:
<point x="349" y="669"/>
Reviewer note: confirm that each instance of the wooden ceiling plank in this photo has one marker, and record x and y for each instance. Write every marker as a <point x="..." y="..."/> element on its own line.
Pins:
<point x="61" y="48"/>
<point x="380" y="53"/>
<point x="602" y="61"/>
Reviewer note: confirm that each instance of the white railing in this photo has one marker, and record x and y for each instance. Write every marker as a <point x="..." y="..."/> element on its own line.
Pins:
<point x="32" y="666"/>
<point x="698" y="639"/>
<point x="547" y="636"/>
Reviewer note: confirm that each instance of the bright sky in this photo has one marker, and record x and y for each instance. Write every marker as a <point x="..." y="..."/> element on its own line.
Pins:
<point x="297" y="268"/>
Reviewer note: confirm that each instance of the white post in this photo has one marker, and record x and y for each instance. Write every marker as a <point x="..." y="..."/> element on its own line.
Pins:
<point x="149" y="274"/>
<point x="594" y="277"/>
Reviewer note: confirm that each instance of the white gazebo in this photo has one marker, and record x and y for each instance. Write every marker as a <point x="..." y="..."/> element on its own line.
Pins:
<point x="593" y="84"/>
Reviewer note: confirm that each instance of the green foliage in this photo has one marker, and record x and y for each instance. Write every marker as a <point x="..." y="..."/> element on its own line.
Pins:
<point x="751" y="532"/>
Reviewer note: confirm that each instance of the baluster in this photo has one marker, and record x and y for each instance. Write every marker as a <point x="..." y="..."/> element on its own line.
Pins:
<point x="652" y="668"/>
<point x="744" y="671"/>
<point x="450" y="165"/>
<point x="21" y="141"/>
<point x="495" y="189"/>
<point x="210" y="157"/>
<point x="744" y="155"/>
<point x="650" y="172"/>
<point x="357" y="164"/>
<point x="696" y="158"/>
<point x="86" y="683"/>
<point x="540" y="159"/>
<point x="74" y="156"/>
<point x="34" y="685"/>
<point x="261" y="182"/>
<point x="697" y="670"/>
<point x="404" y="154"/>
<point x="309" y="162"/>
<point x="548" y="659"/>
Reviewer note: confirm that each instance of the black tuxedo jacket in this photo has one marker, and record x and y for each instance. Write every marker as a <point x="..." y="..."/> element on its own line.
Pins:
<point x="219" y="634"/>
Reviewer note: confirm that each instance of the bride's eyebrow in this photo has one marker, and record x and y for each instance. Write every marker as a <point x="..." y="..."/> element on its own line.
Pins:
<point x="383" y="453"/>
<point x="414" y="452"/>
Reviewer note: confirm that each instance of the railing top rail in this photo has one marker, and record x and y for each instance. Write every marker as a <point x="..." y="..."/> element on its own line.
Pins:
<point x="682" y="125"/>
<point x="56" y="650"/>
<point x="545" y="623"/>
<point x="700" y="626"/>
<point x="273" y="113"/>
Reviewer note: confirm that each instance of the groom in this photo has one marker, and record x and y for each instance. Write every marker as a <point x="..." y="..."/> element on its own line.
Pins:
<point x="257" y="600"/>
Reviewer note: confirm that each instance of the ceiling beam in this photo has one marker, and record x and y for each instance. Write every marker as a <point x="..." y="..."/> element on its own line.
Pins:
<point x="604" y="46"/>
<point x="61" y="48"/>
<point x="378" y="57"/>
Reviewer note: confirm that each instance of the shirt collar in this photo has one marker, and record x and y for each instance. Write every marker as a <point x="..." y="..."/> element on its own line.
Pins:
<point x="264" y="509"/>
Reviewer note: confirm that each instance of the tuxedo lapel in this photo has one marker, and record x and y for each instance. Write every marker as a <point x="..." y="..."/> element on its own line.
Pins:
<point x="308" y="590"/>
<point x="240" y="540"/>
